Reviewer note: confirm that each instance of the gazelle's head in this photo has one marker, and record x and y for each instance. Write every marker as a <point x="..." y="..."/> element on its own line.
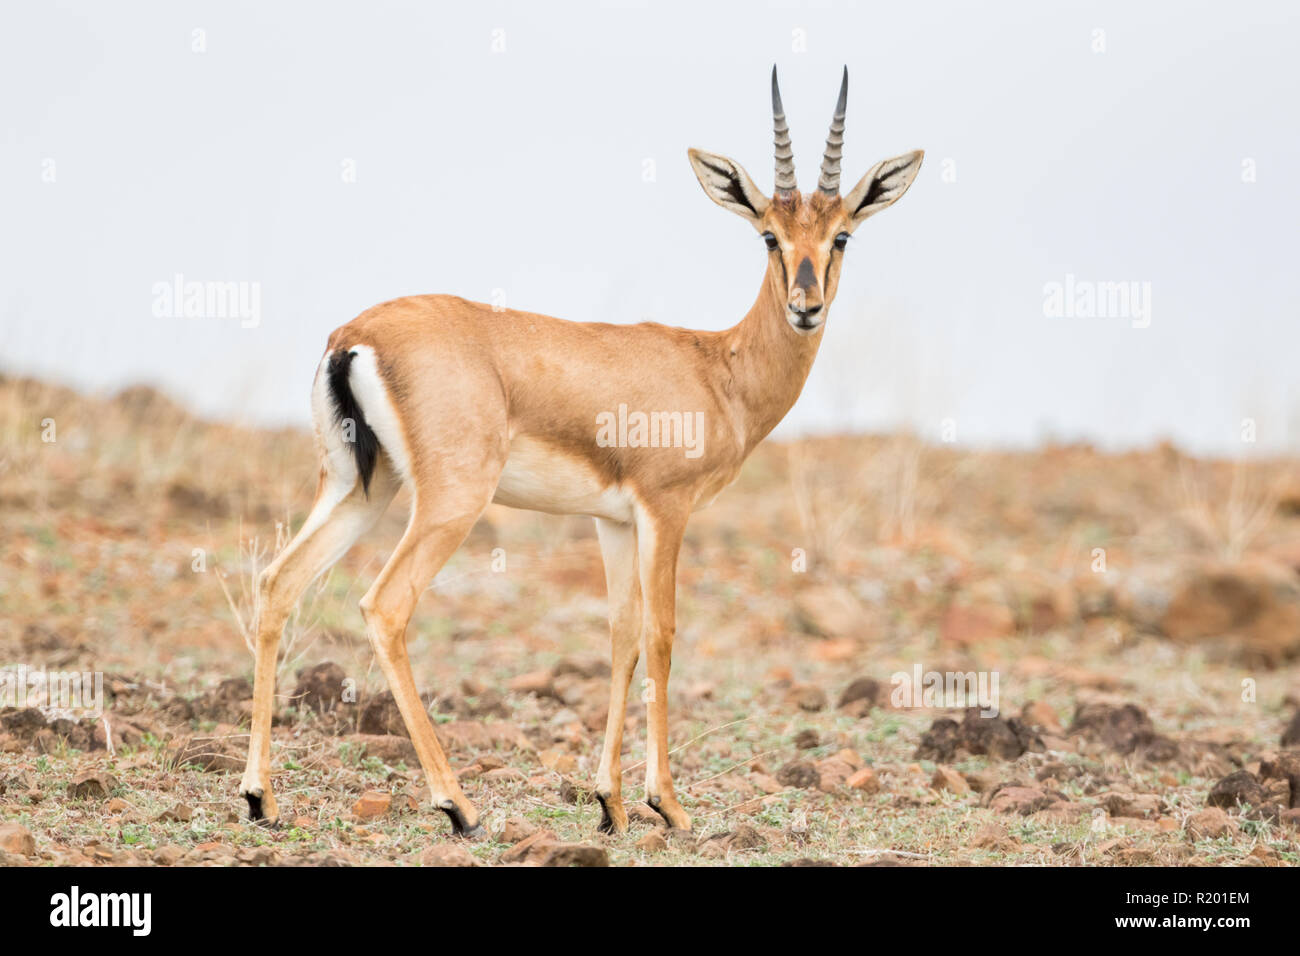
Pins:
<point x="806" y="235"/>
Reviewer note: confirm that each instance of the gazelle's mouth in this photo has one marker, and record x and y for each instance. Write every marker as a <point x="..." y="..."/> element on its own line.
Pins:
<point x="803" y="323"/>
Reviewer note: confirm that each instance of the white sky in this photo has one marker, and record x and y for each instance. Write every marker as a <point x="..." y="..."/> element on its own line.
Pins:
<point x="522" y="171"/>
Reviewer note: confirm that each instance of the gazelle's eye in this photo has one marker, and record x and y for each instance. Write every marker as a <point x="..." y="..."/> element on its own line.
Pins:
<point x="841" y="241"/>
<point x="770" y="239"/>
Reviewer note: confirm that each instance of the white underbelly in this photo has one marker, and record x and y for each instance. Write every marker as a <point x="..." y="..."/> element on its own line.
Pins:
<point x="539" y="478"/>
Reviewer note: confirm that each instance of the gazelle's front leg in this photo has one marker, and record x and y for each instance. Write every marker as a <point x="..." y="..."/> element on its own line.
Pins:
<point x="618" y="548"/>
<point x="659" y="538"/>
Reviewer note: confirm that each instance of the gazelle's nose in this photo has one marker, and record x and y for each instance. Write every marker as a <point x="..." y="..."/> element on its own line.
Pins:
<point x="805" y="296"/>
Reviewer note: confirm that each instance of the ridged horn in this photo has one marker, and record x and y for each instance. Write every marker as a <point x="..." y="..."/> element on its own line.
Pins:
<point x="829" y="182"/>
<point x="785" y="182"/>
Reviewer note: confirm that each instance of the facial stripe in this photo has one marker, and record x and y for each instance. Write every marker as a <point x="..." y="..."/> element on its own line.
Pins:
<point x="805" y="277"/>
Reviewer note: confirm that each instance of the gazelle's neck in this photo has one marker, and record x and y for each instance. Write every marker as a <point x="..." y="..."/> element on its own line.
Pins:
<point x="769" y="360"/>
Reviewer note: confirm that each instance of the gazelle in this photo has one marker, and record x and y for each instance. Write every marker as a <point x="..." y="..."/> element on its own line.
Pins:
<point x="470" y="405"/>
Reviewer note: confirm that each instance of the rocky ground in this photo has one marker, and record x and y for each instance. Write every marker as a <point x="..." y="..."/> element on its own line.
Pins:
<point x="1140" y="611"/>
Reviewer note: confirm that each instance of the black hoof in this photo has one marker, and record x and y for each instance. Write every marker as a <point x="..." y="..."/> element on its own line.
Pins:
<point x="459" y="825"/>
<point x="656" y="805"/>
<point x="254" y="806"/>
<point x="606" y="824"/>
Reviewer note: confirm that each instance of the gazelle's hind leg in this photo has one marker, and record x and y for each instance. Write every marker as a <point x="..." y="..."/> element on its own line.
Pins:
<point x="618" y="548"/>
<point x="341" y="514"/>
<point x="436" y="529"/>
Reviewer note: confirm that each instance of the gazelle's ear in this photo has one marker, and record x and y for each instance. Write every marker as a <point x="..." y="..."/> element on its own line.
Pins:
<point x="728" y="185"/>
<point x="883" y="186"/>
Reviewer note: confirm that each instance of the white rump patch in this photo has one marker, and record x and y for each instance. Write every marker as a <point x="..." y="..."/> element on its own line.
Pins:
<point x="381" y="414"/>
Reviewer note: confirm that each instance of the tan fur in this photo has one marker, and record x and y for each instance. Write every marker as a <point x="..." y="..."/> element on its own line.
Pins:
<point x="475" y="389"/>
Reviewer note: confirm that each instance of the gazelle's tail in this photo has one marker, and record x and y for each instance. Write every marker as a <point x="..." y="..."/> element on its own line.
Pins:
<point x="349" y="418"/>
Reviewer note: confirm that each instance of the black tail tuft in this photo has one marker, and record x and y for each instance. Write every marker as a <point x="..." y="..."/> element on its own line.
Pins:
<point x="348" y="416"/>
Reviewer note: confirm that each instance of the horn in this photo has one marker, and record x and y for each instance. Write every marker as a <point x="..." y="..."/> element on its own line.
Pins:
<point x="785" y="182"/>
<point x="830" y="177"/>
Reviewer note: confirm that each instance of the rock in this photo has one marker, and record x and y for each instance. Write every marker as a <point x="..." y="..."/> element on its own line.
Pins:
<point x="1291" y="736"/>
<point x="994" y="836"/>
<point x="826" y="611"/>
<point x="1290" y="818"/>
<point x="1021" y="800"/>
<point x="227" y="703"/>
<point x="117" y="805"/>
<point x="505" y="774"/>
<point x="1041" y="715"/>
<point x="639" y="812"/>
<point x="514" y="830"/>
<point x="864" y="780"/>
<point x="714" y="847"/>
<point x="1125" y="728"/>
<point x="320" y="688"/>
<point x="942" y="742"/>
<point x="373" y="803"/>
<point x="168" y="855"/>
<point x="978" y="613"/>
<point x="532" y="844"/>
<point x="589" y="666"/>
<point x="745" y="837"/>
<point x="807" y="739"/>
<point x="92" y="785"/>
<point x="389" y="748"/>
<point x="850" y="757"/>
<point x="447" y="854"/>
<point x="473" y="735"/>
<point x="833" y="773"/>
<point x="211" y="754"/>
<point x="1283" y="766"/>
<point x="1255" y="602"/>
<point x="981" y="781"/>
<point x="945" y="778"/>
<point x="179" y="813"/>
<point x="536" y="682"/>
<point x="946" y="740"/>
<point x="1236" y="789"/>
<point x="23" y="723"/>
<point x="381" y="716"/>
<point x="652" y="842"/>
<point x="1210" y="824"/>
<point x="573" y="854"/>
<point x="867" y="689"/>
<point x="1140" y="805"/>
<point x="15" y="838"/>
<point x="799" y="773"/>
<point x="683" y="840"/>
<point x="807" y="697"/>
<point x="557" y="760"/>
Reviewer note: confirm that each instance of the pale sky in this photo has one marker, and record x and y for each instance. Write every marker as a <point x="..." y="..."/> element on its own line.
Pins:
<point x="505" y="147"/>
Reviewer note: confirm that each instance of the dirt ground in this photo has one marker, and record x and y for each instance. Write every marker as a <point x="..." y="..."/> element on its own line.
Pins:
<point x="1140" y="613"/>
